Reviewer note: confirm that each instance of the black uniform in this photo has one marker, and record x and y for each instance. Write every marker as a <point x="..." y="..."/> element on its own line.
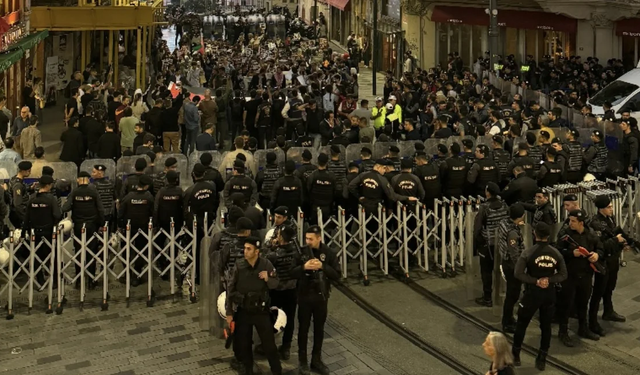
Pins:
<point x="578" y="285"/>
<point x="241" y="184"/>
<point x="521" y="189"/>
<point x="544" y="213"/>
<point x="481" y="173"/>
<point x="526" y="162"/>
<point x="455" y="176"/>
<point x="287" y="191"/>
<point x="248" y="300"/>
<point x="18" y="201"/>
<point x="86" y="210"/>
<point x="550" y="173"/>
<point x="304" y="171"/>
<point x="107" y="193"/>
<point x="502" y="158"/>
<point x="576" y="160"/>
<point x="539" y="261"/>
<point x="372" y="188"/>
<point x="313" y="297"/>
<point x="596" y="159"/>
<point x="137" y="208"/>
<point x="366" y="165"/>
<point x="169" y="206"/>
<point x="265" y="179"/>
<point x="339" y="169"/>
<point x="430" y="175"/>
<point x="536" y="154"/>
<point x="286" y="260"/>
<point x="409" y="185"/>
<point x="159" y="181"/>
<point x="322" y="190"/>
<point x="131" y="184"/>
<point x="199" y="199"/>
<point x="42" y="215"/>
<point x="489" y="216"/>
<point x="510" y="246"/>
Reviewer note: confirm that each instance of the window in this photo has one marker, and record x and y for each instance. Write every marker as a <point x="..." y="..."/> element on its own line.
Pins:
<point x="614" y="93"/>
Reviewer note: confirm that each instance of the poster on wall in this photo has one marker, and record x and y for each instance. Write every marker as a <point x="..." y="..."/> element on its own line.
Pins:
<point x="63" y="44"/>
<point x="51" y="80"/>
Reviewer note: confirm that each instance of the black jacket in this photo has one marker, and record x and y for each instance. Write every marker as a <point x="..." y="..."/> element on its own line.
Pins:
<point x="109" y="146"/>
<point x="72" y="146"/>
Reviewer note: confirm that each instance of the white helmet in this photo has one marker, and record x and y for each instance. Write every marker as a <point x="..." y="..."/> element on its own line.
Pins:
<point x="279" y="318"/>
<point x="67" y="225"/>
<point x="222" y="305"/>
<point x="4" y="257"/>
<point x="17" y="235"/>
<point x="589" y="177"/>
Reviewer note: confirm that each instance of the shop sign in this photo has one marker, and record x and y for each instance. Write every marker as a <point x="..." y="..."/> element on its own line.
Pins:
<point x="11" y="36"/>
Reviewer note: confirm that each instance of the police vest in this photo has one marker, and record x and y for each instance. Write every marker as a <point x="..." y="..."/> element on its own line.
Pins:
<point x="504" y="228"/>
<point x="370" y="188"/>
<point x="240" y="184"/>
<point x="293" y="112"/>
<point x="494" y="217"/>
<point x="236" y="252"/>
<point x="16" y="184"/>
<point x="284" y="262"/>
<point x="527" y="163"/>
<point x="553" y="175"/>
<point x="396" y="163"/>
<point x="540" y="211"/>
<point x="535" y="153"/>
<point x="322" y="188"/>
<point x="105" y="191"/>
<point x="367" y="165"/>
<point x="406" y="185"/>
<point x="599" y="163"/>
<point x="159" y="181"/>
<point x="430" y="175"/>
<point x="456" y="175"/>
<point x="575" y="156"/>
<point x="271" y="174"/>
<point x="488" y="173"/>
<point x="502" y="159"/>
<point x="289" y="194"/>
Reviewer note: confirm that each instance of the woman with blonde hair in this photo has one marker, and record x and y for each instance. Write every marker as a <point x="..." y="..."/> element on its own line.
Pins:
<point x="139" y="106"/>
<point x="498" y="349"/>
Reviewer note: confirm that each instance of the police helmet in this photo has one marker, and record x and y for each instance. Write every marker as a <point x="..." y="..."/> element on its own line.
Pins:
<point x="66" y="225"/>
<point x="17" y="235"/>
<point x="222" y="308"/>
<point x="279" y="319"/>
<point x="4" y="257"/>
<point x="589" y="177"/>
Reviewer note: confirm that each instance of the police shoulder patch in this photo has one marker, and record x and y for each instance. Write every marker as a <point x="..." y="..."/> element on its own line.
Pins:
<point x="512" y="242"/>
<point x="323" y="257"/>
<point x="18" y="191"/>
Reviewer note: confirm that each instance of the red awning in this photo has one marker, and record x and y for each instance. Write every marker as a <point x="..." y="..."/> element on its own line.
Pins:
<point x="12" y="17"/>
<point x="340" y="4"/>
<point x="519" y="19"/>
<point x="628" y="27"/>
<point x="4" y="26"/>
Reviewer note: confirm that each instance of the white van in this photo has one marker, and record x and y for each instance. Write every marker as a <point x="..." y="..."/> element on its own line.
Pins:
<point x="623" y="94"/>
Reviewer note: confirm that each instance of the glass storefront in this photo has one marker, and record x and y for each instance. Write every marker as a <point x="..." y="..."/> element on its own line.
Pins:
<point x="629" y="52"/>
<point x="469" y="41"/>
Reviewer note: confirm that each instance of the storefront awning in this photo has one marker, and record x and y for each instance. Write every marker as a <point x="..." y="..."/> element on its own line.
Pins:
<point x="32" y="40"/>
<point x="10" y="58"/>
<point x="628" y="27"/>
<point x="340" y="4"/>
<point x="518" y="19"/>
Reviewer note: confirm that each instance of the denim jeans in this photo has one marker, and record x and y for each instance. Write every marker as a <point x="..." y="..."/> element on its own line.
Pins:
<point x="190" y="144"/>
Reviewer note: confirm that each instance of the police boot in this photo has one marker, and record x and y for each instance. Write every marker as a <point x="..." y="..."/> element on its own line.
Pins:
<point x="613" y="316"/>
<point x="258" y="350"/>
<point x="482" y="301"/>
<point x="595" y="327"/>
<point x="318" y="366"/>
<point x="541" y="360"/>
<point x="303" y="368"/>
<point x="285" y="352"/>
<point x="564" y="337"/>
<point x="516" y="356"/>
<point x="584" y="332"/>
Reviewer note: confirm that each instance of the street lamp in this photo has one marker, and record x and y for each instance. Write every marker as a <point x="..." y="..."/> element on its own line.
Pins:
<point x="493" y="33"/>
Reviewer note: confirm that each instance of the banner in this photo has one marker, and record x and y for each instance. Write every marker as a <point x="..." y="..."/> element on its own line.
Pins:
<point x="63" y="44"/>
<point x="51" y="78"/>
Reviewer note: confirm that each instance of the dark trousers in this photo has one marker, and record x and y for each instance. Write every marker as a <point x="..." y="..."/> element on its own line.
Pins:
<point x="140" y="243"/>
<point x="243" y="339"/>
<point x="576" y="289"/>
<point x="536" y="299"/>
<point x="92" y="245"/>
<point x="512" y="294"/>
<point x="263" y="137"/>
<point x="183" y="139"/>
<point x="311" y="305"/>
<point x="603" y="287"/>
<point x="43" y="250"/>
<point x="313" y="214"/>
<point x="486" y="271"/>
<point x="287" y="301"/>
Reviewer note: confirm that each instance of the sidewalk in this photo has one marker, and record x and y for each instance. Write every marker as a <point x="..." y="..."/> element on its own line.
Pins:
<point x="365" y="78"/>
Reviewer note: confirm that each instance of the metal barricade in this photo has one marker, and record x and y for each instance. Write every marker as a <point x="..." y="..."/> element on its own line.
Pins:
<point x="332" y="229"/>
<point x="373" y="244"/>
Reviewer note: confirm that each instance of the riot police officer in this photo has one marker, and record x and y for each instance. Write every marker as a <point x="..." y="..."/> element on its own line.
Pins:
<point x="614" y="241"/>
<point x="467" y="153"/>
<point x="394" y="156"/>
<point x="454" y="173"/>
<point x="521" y="189"/>
<point x="551" y="173"/>
<point x="406" y="183"/>
<point x="576" y="157"/>
<point x="595" y="156"/>
<point x="510" y="246"/>
<point x="306" y="168"/>
<point x="367" y="163"/>
<point x="483" y="171"/>
<point x="430" y="176"/>
<point x="42" y="215"/>
<point x="211" y="173"/>
<point x="131" y="183"/>
<point x="136" y="208"/>
<point x="323" y="189"/>
<point x="171" y="164"/>
<point x="239" y="183"/>
<point x="535" y="152"/>
<point x="18" y="194"/>
<point x="286" y="258"/>
<point x="522" y="159"/>
<point x="169" y="207"/>
<point x="581" y="249"/>
<point x="502" y="158"/>
<point x="338" y="167"/>
<point x="320" y="265"/>
<point x="489" y="216"/>
<point x="106" y="192"/>
<point x="287" y="191"/>
<point x="229" y="233"/>
<point x="233" y="250"/>
<point x="539" y="267"/>
<point x="266" y="178"/>
<point x="280" y="220"/>
<point x="86" y="211"/>
<point x="542" y="209"/>
<point x="248" y="304"/>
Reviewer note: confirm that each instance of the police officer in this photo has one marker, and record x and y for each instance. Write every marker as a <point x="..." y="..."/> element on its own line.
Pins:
<point x="169" y="207"/>
<point x="489" y="216"/>
<point x="550" y="173"/>
<point x="280" y="220"/>
<point x="266" y="178"/>
<point x="229" y="233"/>
<point x="510" y="246"/>
<point x="320" y="265"/>
<point x="287" y="191"/>
<point x="106" y="192"/>
<point x="372" y="188"/>
<point x="595" y="156"/>
<point x="467" y="152"/>
<point x="338" y="167"/>
<point x="18" y="194"/>
<point x="286" y="258"/>
<point x="323" y="189"/>
<point x="502" y="158"/>
<point x="306" y="168"/>
<point x="483" y="171"/>
<point x="521" y="189"/>
<point x="539" y="267"/>
<point x="131" y="183"/>
<point x="367" y="163"/>
<point x="42" y="215"/>
<point x="171" y="164"/>
<point x="239" y="183"/>
<point x="86" y="211"/>
<point x="233" y="250"/>
<point x="137" y="208"/>
<point x="581" y="248"/>
<point x="430" y="176"/>
<point x="248" y="304"/>
<point x="211" y="173"/>
<point x="454" y="173"/>
<point x="576" y="157"/>
<point x="394" y="156"/>
<point x="406" y="183"/>
<point x="613" y="241"/>
<point x="522" y="159"/>
<point x="535" y="152"/>
<point x="542" y="209"/>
